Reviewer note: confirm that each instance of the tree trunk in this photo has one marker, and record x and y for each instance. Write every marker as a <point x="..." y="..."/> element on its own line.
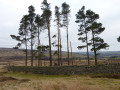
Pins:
<point x="60" y="50"/>
<point x="50" y="52"/>
<point x="87" y="42"/>
<point x="87" y="49"/>
<point x="71" y="53"/>
<point x="31" y="53"/>
<point x="95" y="54"/>
<point x="58" y="46"/>
<point x="26" y="50"/>
<point x="31" y="46"/>
<point x="40" y="49"/>
<point x="68" y="47"/>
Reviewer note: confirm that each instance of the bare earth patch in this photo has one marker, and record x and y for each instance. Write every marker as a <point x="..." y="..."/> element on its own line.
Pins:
<point x="3" y="79"/>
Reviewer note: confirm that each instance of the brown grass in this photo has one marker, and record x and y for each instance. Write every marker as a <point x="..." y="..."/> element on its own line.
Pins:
<point x="43" y="82"/>
<point x="47" y="85"/>
<point x="62" y="85"/>
<point x="35" y="82"/>
<point x="46" y="63"/>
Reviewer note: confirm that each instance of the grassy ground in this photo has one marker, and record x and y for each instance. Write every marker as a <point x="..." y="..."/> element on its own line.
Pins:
<point x="55" y="82"/>
<point x="22" y="81"/>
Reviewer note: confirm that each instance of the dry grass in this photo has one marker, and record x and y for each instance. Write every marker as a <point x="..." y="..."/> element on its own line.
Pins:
<point x="46" y="63"/>
<point x="38" y="82"/>
<point x="55" y="84"/>
<point x="44" y="82"/>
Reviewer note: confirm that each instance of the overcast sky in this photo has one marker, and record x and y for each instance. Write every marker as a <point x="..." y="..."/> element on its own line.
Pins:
<point x="11" y="12"/>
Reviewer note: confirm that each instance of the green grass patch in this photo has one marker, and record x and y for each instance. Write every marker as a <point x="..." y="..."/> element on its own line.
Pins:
<point x="33" y="76"/>
<point x="109" y="75"/>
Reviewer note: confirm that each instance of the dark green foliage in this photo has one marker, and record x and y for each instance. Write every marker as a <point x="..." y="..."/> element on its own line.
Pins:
<point x="97" y="42"/>
<point x="41" y="49"/>
<point x="118" y="39"/>
<point x="46" y="12"/>
<point x="81" y="47"/>
<point x="39" y="21"/>
<point x="16" y="37"/>
<point x="31" y="16"/>
<point x="57" y="15"/>
<point x="65" y="13"/>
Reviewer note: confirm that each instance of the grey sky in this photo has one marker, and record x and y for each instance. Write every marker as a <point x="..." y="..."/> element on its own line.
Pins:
<point x="11" y="12"/>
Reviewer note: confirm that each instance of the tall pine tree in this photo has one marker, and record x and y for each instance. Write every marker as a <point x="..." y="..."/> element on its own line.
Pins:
<point x="32" y="29"/>
<point x="66" y="14"/>
<point x="96" y="29"/>
<point x="82" y="19"/>
<point x="22" y="37"/>
<point x="39" y="24"/>
<point x="58" y="20"/>
<point x="47" y="18"/>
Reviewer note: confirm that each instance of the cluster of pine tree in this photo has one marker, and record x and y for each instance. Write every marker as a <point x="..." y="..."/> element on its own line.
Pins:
<point x="32" y="25"/>
<point x="88" y="24"/>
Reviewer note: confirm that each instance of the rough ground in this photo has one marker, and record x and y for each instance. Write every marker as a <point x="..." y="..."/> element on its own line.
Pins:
<point x="23" y="81"/>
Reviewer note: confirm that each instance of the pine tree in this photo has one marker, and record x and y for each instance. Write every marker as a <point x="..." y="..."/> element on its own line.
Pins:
<point x="82" y="19"/>
<point x="96" y="29"/>
<point x="23" y="33"/>
<point x="58" y="19"/>
<point x="32" y="29"/>
<point x="65" y="14"/>
<point x="47" y="18"/>
<point x="39" y="24"/>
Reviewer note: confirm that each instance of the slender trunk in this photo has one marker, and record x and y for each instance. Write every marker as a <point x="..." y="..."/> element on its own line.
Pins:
<point x="58" y="46"/>
<point x="31" y="46"/>
<point x="87" y="49"/>
<point x="31" y="52"/>
<point x="68" y="46"/>
<point x="38" y="45"/>
<point x="50" y="53"/>
<point x="71" y="53"/>
<point x="38" y="37"/>
<point x="26" y="49"/>
<point x="60" y="50"/>
<point x="95" y="54"/>
<point x="87" y="42"/>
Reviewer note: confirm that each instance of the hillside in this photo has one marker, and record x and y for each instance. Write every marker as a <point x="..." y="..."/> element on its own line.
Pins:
<point x="18" y="54"/>
<point x="104" y="54"/>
